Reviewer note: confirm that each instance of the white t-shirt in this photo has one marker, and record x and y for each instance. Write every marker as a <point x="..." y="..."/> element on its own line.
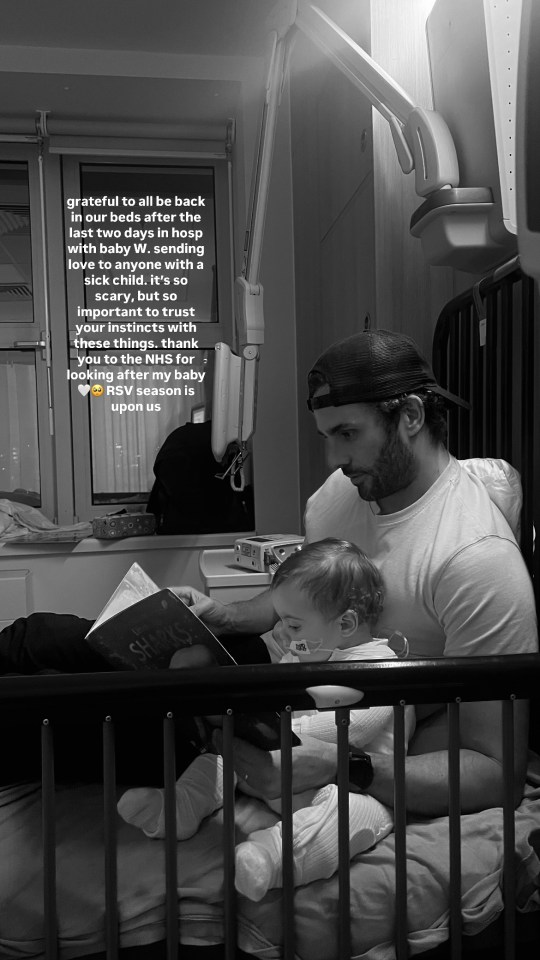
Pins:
<point x="455" y="581"/>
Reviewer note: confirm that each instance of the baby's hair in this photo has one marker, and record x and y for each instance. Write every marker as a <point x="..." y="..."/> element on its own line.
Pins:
<point x="336" y="576"/>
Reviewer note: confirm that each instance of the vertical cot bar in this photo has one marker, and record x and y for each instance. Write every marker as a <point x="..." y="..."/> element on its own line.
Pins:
<point x="287" y="865"/>
<point x="509" y="881"/>
<point x="527" y="371"/>
<point x="228" y="837"/>
<point x="342" y="717"/>
<point x="481" y="382"/>
<point x="443" y="348"/>
<point x="109" y="827"/>
<point x="457" y="390"/>
<point x="477" y="392"/>
<point x="507" y="299"/>
<point x="453" y="377"/>
<point x="454" y="821"/>
<point x="400" y="831"/>
<point x="49" y="842"/>
<point x="439" y="352"/>
<point x="530" y="520"/>
<point x="498" y="369"/>
<point x="171" y="845"/>
<point x="528" y="413"/>
<point x="515" y="323"/>
<point x="491" y="379"/>
<point x="463" y="381"/>
<point x="467" y="378"/>
<point x="469" y="333"/>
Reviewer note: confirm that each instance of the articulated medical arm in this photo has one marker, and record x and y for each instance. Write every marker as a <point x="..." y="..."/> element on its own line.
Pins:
<point x="422" y="139"/>
<point x="423" y="144"/>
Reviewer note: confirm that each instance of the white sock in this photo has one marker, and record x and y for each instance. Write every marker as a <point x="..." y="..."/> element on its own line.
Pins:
<point x="258" y="863"/>
<point x="315" y="844"/>
<point x="199" y="791"/>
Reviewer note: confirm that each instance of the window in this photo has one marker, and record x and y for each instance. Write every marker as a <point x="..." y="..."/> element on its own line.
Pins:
<point x="19" y="447"/>
<point x="137" y="291"/>
<point x="25" y="447"/>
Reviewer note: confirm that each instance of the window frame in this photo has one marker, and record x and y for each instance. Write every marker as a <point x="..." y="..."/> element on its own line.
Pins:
<point x="35" y="332"/>
<point x="65" y="454"/>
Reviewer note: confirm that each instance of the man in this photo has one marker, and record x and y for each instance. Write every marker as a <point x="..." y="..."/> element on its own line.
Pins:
<point x="456" y="584"/>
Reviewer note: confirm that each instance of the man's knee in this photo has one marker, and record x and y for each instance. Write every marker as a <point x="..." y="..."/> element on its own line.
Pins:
<point x="48" y="641"/>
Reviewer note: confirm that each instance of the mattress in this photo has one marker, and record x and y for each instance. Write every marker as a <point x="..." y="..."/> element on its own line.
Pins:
<point x="141" y="882"/>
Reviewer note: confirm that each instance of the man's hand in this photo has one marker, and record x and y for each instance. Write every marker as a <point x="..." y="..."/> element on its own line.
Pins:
<point x="314" y="765"/>
<point x="256" y="615"/>
<point x="213" y="613"/>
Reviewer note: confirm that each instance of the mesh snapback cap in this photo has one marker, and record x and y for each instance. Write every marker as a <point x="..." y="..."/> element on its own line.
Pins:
<point x="371" y="366"/>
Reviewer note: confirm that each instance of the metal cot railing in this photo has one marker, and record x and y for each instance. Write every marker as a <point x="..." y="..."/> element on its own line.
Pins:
<point x="104" y="699"/>
<point x="487" y="351"/>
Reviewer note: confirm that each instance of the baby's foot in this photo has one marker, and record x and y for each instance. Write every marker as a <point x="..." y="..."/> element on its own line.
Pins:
<point x="143" y="807"/>
<point x="199" y="792"/>
<point x="255" y="871"/>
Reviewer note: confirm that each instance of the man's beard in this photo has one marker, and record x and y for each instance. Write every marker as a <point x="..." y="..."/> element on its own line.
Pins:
<point x="394" y="469"/>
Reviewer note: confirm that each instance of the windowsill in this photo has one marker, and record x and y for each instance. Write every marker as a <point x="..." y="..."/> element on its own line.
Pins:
<point x="204" y="541"/>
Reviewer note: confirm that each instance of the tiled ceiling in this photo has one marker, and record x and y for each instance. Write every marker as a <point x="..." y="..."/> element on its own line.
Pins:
<point x="209" y="27"/>
<point x="207" y="47"/>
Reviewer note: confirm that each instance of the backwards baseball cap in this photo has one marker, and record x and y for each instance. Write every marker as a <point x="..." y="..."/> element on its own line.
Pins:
<point x="371" y="366"/>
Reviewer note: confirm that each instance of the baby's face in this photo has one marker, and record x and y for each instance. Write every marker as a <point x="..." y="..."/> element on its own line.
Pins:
<point x="302" y="628"/>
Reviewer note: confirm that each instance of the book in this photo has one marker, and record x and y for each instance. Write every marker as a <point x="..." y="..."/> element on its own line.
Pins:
<point x="135" y="585"/>
<point x="141" y="627"/>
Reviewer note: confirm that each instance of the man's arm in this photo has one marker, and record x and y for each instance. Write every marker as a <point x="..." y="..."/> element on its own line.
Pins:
<point x="426" y="773"/>
<point x="481" y="773"/>
<point x="245" y="616"/>
<point x="485" y="604"/>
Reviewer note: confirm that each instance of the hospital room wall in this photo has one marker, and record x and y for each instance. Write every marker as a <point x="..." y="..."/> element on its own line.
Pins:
<point x="333" y="218"/>
<point x="357" y="266"/>
<point x="410" y="293"/>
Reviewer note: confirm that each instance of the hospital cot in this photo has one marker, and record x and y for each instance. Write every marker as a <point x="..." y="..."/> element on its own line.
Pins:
<point x="76" y="881"/>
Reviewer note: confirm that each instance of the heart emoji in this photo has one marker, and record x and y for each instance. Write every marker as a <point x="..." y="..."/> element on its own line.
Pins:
<point x="83" y="388"/>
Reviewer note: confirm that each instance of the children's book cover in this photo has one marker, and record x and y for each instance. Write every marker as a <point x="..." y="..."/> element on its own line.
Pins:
<point x="141" y="627"/>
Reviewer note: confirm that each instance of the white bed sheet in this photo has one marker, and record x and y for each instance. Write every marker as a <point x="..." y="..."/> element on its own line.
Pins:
<point x="141" y="882"/>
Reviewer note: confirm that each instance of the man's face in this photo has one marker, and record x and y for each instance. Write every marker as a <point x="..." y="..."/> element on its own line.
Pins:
<point x="373" y="453"/>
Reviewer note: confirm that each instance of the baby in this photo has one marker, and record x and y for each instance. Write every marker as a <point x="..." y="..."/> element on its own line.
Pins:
<point x="328" y="597"/>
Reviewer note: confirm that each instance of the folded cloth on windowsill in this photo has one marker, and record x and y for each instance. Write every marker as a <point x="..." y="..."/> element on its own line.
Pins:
<point x="18" y="521"/>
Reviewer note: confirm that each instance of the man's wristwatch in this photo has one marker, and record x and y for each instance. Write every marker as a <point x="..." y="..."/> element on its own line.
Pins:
<point x="360" y="771"/>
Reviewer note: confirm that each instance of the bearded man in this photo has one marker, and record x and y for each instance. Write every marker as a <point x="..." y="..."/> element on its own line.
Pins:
<point x="455" y="581"/>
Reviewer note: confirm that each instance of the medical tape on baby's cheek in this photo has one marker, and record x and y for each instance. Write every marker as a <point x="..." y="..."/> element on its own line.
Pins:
<point x="302" y="646"/>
